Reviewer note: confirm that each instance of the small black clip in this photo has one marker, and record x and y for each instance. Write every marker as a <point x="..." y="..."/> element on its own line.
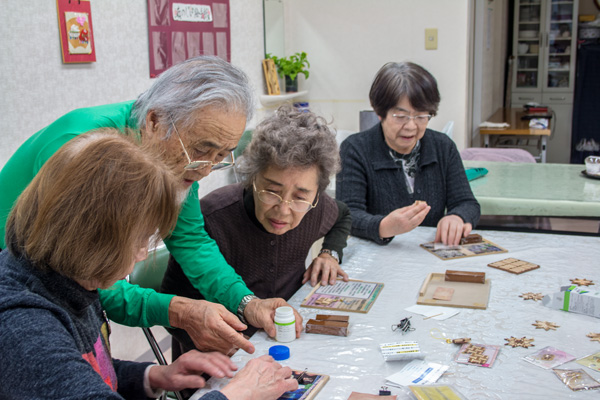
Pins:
<point x="300" y="377"/>
<point x="404" y="326"/>
<point x="384" y="391"/>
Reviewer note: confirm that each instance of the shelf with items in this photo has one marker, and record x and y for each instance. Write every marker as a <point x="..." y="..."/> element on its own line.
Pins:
<point x="274" y="101"/>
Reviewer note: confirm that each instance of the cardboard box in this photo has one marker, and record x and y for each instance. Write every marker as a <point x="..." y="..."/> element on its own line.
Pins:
<point x="578" y="299"/>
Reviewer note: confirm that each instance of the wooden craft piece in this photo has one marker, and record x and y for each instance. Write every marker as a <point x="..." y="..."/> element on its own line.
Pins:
<point x="443" y="293"/>
<point x="478" y="359"/>
<point x="594" y="337"/>
<point x="459" y="340"/>
<point x="473" y="349"/>
<point x="514" y="265"/>
<point x="532" y="296"/>
<point x="472" y="238"/>
<point x="545" y="325"/>
<point x="336" y="325"/>
<point x="465" y="276"/>
<point x="466" y="294"/>
<point x="582" y="282"/>
<point x="522" y="342"/>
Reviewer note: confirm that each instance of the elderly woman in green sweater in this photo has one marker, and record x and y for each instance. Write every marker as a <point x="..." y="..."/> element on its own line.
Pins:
<point x="194" y="114"/>
<point x="280" y="209"/>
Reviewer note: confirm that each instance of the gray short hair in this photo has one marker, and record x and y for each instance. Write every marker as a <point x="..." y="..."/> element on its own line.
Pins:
<point x="291" y="139"/>
<point x="192" y="85"/>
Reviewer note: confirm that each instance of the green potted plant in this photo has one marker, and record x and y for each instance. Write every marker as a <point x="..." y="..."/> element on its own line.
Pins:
<point x="290" y="67"/>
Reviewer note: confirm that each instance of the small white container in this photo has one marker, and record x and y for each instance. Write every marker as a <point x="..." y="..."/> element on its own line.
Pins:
<point x="285" y="324"/>
<point x="592" y="165"/>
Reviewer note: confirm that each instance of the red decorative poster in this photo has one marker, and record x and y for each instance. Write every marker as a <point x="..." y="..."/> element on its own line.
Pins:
<point x="178" y="30"/>
<point x="75" y="26"/>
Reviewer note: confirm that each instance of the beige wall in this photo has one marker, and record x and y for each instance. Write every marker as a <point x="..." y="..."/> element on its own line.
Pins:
<point x="347" y="41"/>
<point x="37" y="87"/>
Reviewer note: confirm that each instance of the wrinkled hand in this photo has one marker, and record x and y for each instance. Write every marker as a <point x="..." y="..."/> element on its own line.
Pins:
<point x="327" y="267"/>
<point x="403" y="220"/>
<point x="451" y="229"/>
<point x="211" y="326"/>
<point x="186" y="371"/>
<point x="261" y="379"/>
<point x="261" y="312"/>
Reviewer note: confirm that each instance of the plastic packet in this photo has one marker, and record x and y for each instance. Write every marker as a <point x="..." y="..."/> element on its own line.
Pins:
<point x="577" y="379"/>
<point x="434" y="392"/>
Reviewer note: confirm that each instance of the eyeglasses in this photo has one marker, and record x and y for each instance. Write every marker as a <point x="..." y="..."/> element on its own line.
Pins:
<point x="226" y="163"/>
<point x="274" y="199"/>
<point x="420" y="120"/>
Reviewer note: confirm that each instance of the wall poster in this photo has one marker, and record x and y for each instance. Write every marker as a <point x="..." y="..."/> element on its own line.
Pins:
<point x="75" y="27"/>
<point x="182" y="29"/>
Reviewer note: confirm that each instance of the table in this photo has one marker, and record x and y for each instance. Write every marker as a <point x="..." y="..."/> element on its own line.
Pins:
<point x="354" y="363"/>
<point x="554" y="190"/>
<point x="517" y="128"/>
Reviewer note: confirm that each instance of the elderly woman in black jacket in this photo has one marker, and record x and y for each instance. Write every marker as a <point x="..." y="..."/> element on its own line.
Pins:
<point x="399" y="174"/>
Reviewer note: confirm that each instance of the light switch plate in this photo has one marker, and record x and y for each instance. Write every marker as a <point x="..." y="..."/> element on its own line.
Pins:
<point x="431" y="39"/>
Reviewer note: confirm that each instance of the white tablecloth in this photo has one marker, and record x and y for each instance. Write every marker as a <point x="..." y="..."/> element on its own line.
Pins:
<point x="354" y="363"/>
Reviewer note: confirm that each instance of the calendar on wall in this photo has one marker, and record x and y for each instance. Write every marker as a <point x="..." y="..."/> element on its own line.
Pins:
<point x="178" y="30"/>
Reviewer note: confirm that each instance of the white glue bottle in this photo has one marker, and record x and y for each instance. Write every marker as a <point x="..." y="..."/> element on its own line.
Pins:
<point x="285" y="324"/>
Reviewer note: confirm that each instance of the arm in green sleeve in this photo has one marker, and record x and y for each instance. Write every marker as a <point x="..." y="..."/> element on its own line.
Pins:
<point x="132" y="305"/>
<point x="200" y="258"/>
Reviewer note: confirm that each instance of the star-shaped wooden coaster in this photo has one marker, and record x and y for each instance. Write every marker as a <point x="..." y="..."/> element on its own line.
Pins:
<point x="545" y="325"/>
<point x="532" y="296"/>
<point x="582" y="282"/>
<point x="594" y="337"/>
<point x="522" y="342"/>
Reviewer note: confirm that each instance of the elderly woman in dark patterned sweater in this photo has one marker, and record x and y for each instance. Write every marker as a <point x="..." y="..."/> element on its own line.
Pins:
<point x="399" y="174"/>
<point x="266" y="225"/>
<point x="82" y="223"/>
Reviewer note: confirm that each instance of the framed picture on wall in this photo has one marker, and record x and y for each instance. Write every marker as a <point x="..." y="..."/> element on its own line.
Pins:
<point x="75" y="26"/>
<point x="271" y="77"/>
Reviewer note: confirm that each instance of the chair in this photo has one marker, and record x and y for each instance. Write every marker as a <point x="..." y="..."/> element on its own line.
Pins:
<point x="149" y="274"/>
<point x="448" y="129"/>
<point x="497" y="154"/>
<point x="367" y="119"/>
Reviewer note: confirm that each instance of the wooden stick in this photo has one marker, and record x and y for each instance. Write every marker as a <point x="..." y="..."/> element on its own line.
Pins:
<point x="436" y="315"/>
<point x="422" y="291"/>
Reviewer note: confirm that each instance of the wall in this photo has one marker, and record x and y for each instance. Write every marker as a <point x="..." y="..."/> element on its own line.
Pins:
<point x="347" y="41"/>
<point x="37" y="87"/>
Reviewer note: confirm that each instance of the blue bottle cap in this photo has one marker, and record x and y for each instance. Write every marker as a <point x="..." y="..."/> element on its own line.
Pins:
<point x="279" y="352"/>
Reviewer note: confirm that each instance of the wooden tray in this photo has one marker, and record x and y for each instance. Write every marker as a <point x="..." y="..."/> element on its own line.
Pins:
<point x="466" y="294"/>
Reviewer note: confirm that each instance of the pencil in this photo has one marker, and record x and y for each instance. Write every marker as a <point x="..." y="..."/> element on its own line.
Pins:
<point x="436" y="315"/>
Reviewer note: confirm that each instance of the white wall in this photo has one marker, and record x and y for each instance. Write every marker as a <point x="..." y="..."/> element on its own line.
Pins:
<point x="37" y="87"/>
<point x="347" y="41"/>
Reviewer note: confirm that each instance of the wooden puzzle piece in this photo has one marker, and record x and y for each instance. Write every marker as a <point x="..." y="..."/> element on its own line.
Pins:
<point x="514" y="265"/>
<point x="545" y="325"/>
<point x="478" y="359"/>
<point x="594" y="337"/>
<point x="532" y="296"/>
<point x="582" y="282"/>
<point x="472" y="349"/>
<point x="522" y="342"/>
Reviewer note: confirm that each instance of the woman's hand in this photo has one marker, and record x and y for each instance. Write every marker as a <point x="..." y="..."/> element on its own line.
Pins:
<point x="261" y="379"/>
<point x="186" y="371"/>
<point x="403" y="220"/>
<point x="327" y="268"/>
<point x="451" y="229"/>
<point x="261" y="312"/>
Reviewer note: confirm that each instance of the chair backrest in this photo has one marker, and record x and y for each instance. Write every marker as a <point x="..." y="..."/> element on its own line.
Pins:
<point x="149" y="273"/>
<point x="448" y="129"/>
<point x="367" y="119"/>
<point x="497" y="154"/>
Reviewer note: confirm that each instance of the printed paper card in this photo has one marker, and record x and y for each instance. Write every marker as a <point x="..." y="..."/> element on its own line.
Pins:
<point x="592" y="361"/>
<point x="417" y="372"/>
<point x="78" y="32"/>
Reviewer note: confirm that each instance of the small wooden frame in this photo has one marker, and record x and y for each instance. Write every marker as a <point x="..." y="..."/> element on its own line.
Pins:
<point x="271" y="79"/>
<point x="354" y="296"/>
<point x="485" y="247"/>
<point x="514" y="265"/>
<point x="466" y="294"/>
